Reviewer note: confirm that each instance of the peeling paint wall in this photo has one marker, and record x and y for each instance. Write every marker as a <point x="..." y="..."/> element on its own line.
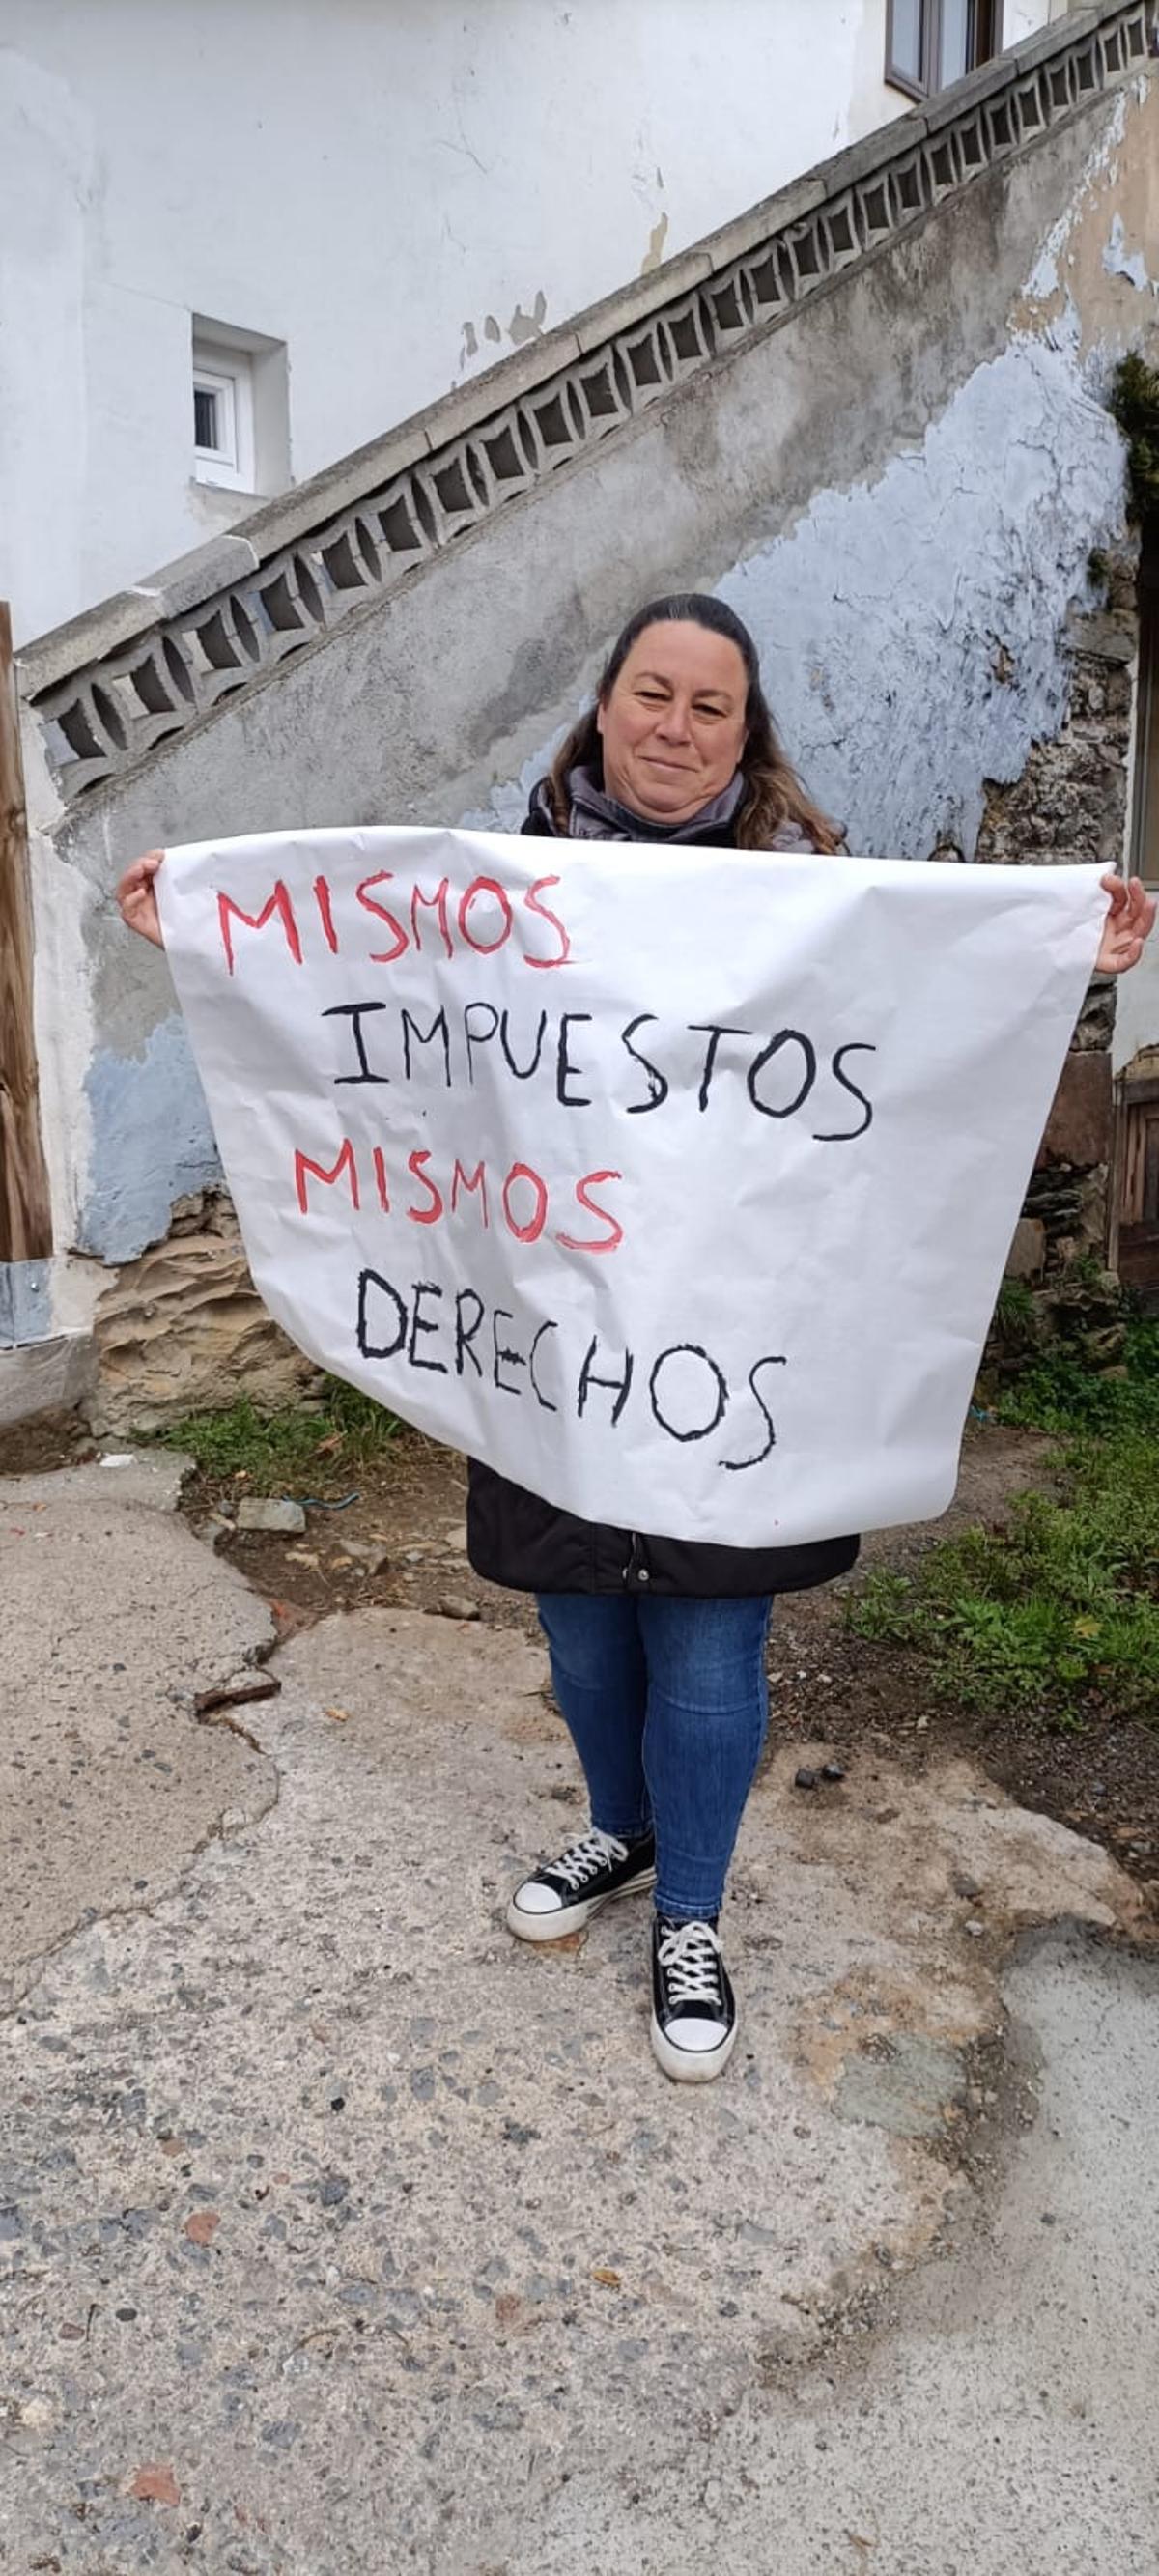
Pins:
<point x="399" y="194"/>
<point x="911" y="626"/>
<point x="901" y="490"/>
<point x="152" y="1142"/>
<point x="950" y="579"/>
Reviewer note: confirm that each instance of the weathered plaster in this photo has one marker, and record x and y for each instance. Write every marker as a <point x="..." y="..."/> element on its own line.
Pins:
<point x="912" y="630"/>
<point x="25" y="1302"/>
<point x="1121" y="262"/>
<point x="152" y="1143"/>
<point x="1090" y="279"/>
<point x="958" y="563"/>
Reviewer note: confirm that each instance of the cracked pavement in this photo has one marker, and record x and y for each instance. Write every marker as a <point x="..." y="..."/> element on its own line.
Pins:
<point x="339" y="2232"/>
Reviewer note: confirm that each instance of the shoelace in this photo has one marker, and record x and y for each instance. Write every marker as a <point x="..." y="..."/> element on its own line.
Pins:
<point x="689" y="1954"/>
<point x="582" y="1859"/>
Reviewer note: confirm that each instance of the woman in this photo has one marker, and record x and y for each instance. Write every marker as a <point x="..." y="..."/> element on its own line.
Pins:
<point x="657" y="1646"/>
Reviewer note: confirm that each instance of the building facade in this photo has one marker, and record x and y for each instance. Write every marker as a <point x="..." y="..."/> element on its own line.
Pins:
<point x="875" y="412"/>
<point x="238" y="241"/>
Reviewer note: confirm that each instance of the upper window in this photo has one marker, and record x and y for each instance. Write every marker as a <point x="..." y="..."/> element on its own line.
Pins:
<point x="929" y="43"/>
<point x="239" y="408"/>
<point x="223" y="416"/>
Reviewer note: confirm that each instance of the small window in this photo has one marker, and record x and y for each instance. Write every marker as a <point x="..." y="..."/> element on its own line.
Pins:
<point x="223" y="417"/>
<point x="929" y="43"/>
<point x="210" y="436"/>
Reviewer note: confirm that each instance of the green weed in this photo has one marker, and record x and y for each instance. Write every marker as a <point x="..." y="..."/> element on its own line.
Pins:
<point x="1059" y="1391"/>
<point x="1054" y="1614"/>
<point x="276" y="1452"/>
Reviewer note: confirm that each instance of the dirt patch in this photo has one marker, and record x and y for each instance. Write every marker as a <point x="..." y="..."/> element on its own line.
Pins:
<point x="391" y="1532"/>
<point x="47" y="1440"/>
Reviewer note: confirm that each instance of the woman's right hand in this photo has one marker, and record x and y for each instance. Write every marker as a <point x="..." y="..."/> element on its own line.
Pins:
<point x="137" y="898"/>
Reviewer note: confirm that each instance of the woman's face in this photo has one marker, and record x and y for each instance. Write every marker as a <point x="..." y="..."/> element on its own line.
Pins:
<point x="673" y="727"/>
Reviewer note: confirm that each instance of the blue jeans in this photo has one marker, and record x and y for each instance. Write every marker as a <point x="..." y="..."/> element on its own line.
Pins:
<point x="666" y="1703"/>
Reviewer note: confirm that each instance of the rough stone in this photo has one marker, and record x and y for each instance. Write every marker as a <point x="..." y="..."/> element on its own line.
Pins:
<point x="1069" y="806"/>
<point x="368" y="1552"/>
<point x="181" y="1330"/>
<point x="1095" y="1026"/>
<point x="1072" y="1206"/>
<point x="269" y="1512"/>
<point x="457" y="1605"/>
<point x="1070" y="802"/>
<point x="239" y="1690"/>
<point x="1078" y="1130"/>
<point x="1027" y="1255"/>
<point x="213" y="1529"/>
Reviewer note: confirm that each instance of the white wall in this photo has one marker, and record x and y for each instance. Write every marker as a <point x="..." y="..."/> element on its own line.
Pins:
<point x="1024" y="17"/>
<point x="1137" y="1008"/>
<point x="401" y="190"/>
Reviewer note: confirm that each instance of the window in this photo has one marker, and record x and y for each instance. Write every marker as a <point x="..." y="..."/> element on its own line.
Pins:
<point x="929" y="43"/>
<point x="223" y="417"/>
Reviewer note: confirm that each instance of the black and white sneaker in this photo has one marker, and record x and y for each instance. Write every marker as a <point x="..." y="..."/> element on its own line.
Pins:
<point x="693" y="2004"/>
<point x="563" y="1894"/>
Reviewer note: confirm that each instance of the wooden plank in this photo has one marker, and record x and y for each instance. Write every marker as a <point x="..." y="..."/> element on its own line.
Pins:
<point x="1150" y="1208"/>
<point x="1139" y="1263"/>
<point x="1129" y="1167"/>
<point x="25" y="1204"/>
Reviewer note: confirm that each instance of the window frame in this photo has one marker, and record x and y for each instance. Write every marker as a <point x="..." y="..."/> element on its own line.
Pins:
<point x="985" y="44"/>
<point x="895" y="77"/>
<point x="227" y="374"/>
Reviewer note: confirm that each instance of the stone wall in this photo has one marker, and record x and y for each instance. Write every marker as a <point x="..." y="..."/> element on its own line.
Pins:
<point x="1069" y="806"/>
<point x="181" y="1330"/>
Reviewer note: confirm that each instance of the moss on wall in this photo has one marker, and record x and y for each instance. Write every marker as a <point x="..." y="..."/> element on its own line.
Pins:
<point x="1134" y="404"/>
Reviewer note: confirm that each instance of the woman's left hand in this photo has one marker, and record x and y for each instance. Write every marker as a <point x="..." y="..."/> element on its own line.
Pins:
<point x="1130" y="920"/>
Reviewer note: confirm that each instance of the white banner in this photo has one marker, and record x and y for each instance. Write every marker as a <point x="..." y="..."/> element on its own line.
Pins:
<point x="676" y="1184"/>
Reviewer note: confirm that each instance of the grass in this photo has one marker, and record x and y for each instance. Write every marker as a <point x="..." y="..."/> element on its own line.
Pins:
<point x="1060" y="1392"/>
<point x="275" y="1452"/>
<point x="1055" y="1614"/>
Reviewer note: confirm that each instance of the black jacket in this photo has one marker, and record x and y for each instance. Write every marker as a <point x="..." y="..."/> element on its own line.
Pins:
<point x="516" y="1539"/>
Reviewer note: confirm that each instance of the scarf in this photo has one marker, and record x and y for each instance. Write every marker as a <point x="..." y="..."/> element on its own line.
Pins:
<point x="596" y="816"/>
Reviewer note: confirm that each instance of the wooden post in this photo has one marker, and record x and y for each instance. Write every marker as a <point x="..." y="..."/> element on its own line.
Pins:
<point x="25" y="1205"/>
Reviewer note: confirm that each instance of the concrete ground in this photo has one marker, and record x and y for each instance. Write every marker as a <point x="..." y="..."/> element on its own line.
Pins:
<point x="341" y="2233"/>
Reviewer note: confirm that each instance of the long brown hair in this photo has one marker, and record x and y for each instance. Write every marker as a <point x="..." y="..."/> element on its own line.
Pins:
<point x="773" y="792"/>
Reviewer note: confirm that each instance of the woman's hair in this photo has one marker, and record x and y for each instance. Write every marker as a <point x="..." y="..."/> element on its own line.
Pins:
<point x="773" y="792"/>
